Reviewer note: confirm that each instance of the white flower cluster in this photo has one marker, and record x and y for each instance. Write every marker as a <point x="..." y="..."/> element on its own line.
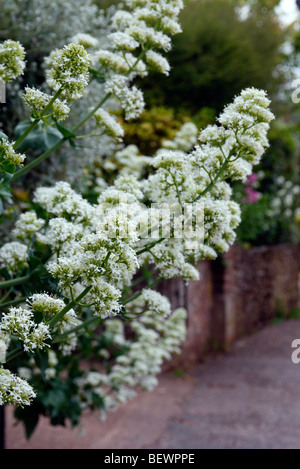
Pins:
<point x="9" y="155"/>
<point x="38" y="101"/>
<point x="12" y="60"/>
<point x="131" y="99"/>
<point x="147" y="28"/>
<point x="49" y="307"/>
<point x="157" y="335"/>
<point x="69" y="70"/>
<point x="27" y="225"/>
<point x="225" y="152"/>
<point x="185" y="138"/>
<point x="14" y="390"/>
<point x="20" y="323"/>
<point x="127" y="160"/>
<point x="286" y="202"/>
<point x="85" y="40"/>
<point x="14" y="256"/>
<point x="62" y="201"/>
<point x="106" y="120"/>
<point x="86" y="253"/>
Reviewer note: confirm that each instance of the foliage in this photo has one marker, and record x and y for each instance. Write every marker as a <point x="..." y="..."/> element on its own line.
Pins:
<point x="219" y="54"/>
<point x="270" y="203"/>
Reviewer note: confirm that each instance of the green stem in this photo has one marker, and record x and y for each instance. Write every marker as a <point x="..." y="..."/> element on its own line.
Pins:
<point x="69" y="306"/>
<point x="15" y="281"/>
<point x="13" y="302"/>
<point x="149" y="246"/>
<point x="137" y="294"/>
<point x="91" y="113"/>
<point x="77" y="328"/>
<point x="13" y="354"/>
<point x="219" y="173"/>
<point x="38" y="160"/>
<point x="176" y="186"/>
<point x="45" y="155"/>
<point x="37" y="120"/>
<point x="3" y="298"/>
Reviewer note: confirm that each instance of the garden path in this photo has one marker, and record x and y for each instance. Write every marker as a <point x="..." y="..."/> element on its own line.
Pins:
<point x="246" y="398"/>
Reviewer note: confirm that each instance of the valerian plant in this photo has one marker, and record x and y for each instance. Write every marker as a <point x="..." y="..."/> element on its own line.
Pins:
<point x="82" y="323"/>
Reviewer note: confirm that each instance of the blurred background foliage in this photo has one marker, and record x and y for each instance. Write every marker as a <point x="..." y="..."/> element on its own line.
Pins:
<point x="224" y="47"/>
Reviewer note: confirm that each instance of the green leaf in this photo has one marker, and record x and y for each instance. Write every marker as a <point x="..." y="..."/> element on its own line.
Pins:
<point x="65" y="132"/>
<point x="5" y="193"/>
<point x="8" y="167"/>
<point x="41" y="138"/>
<point x="3" y="136"/>
<point x="30" y="417"/>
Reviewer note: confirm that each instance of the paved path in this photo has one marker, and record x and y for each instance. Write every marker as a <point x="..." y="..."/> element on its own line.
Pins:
<point x="248" y="398"/>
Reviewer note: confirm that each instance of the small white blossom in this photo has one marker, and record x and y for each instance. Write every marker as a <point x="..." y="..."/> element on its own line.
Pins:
<point x="13" y="256"/>
<point x="103" y="118"/>
<point x="69" y="70"/>
<point x="9" y="155"/>
<point x="27" y="225"/>
<point x="37" y="101"/>
<point x="14" y="390"/>
<point x="85" y="40"/>
<point x="12" y="63"/>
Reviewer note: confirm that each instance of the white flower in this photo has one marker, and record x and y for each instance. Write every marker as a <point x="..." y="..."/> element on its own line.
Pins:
<point x="86" y="40"/>
<point x="8" y="153"/>
<point x="14" y="390"/>
<point x="27" y="225"/>
<point x="37" y="101"/>
<point x="103" y="118"/>
<point x="122" y="41"/>
<point x="131" y="99"/>
<point x="12" y="63"/>
<point x="13" y="256"/>
<point x="20" y="322"/>
<point x="158" y="62"/>
<point x="69" y="70"/>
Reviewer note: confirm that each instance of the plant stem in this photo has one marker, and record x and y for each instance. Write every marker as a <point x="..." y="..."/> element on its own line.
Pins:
<point x="13" y="302"/>
<point x="77" y="328"/>
<point x="38" y="160"/>
<point x="45" y="155"/>
<point x="91" y="113"/>
<point x="37" y="120"/>
<point x="213" y="182"/>
<point x="137" y="294"/>
<point x="149" y="246"/>
<point x="15" y="281"/>
<point x="13" y="354"/>
<point x="69" y="306"/>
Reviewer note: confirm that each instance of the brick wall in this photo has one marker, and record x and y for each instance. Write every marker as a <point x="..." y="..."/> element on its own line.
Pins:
<point x="236" y="295"/>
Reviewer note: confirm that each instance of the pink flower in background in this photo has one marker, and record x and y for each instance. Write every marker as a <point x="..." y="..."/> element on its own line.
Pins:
<point x="252" y="195"/>
<point x="251" y="180"/>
